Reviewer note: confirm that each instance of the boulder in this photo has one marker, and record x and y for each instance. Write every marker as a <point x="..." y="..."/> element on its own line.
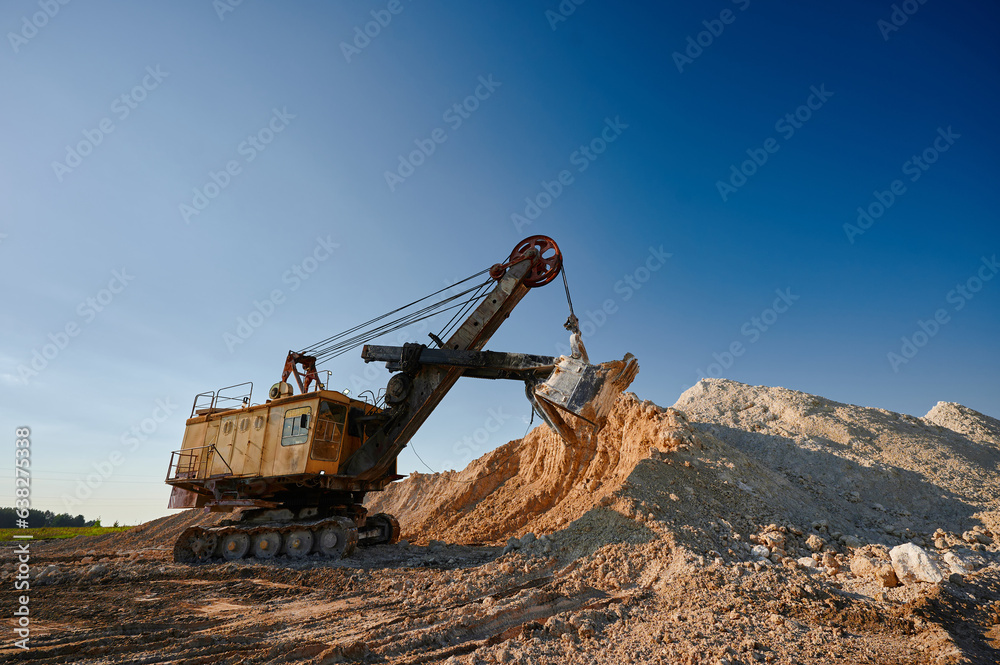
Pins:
<point x="913" y="564"/>
<point x="97" y="570"/>
<point x="880" y="571"/>
<point x="830" y="563"/>
<point x="963" y="562"/>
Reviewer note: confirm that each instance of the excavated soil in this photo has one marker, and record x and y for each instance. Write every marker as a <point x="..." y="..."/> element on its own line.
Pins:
<point x="744" y="524"/>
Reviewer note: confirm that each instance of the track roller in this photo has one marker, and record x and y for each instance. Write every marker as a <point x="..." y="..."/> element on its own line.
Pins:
<point x="234" y="545"/>
<point x="266" y="545"/>
<point x="387" y="526"/>
<point x="297" y="543"/>
<point x="336" y="538"/>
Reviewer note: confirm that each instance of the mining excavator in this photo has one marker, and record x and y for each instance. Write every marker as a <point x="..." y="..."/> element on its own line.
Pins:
<point x="298" y="466"/>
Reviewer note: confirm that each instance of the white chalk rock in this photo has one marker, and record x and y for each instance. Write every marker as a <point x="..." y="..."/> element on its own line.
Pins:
<point x="760" y="551"/>
<point x="963" y="562"/>
<point x="912" y="564"/>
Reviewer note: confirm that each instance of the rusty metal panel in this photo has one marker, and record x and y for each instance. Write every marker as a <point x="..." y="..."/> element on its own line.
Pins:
<point x="272" y="439"/>
<point x="182" y="498"/>
<point x="246" y="450"/>
<point x="194" y="435"/>
<point x="254" y="454"/>
<point x="226" y="435"/>
<point x="237" y="459"/>
<point x="212" y="428"/>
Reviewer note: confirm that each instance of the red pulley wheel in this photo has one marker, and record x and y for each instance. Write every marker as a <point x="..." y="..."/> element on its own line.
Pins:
<point x="547" y="265"/>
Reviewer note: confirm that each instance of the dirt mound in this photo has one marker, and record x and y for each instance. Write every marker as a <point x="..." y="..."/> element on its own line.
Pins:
<point x="726" y="452"/>
<point x="538" y="483"/>
<point x="965" y="421"/>
<point x="157" y="534"/>
<point x="877" y="470"/>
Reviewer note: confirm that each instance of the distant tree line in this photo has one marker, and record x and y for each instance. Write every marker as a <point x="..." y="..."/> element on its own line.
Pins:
<point x="40" y="518"/>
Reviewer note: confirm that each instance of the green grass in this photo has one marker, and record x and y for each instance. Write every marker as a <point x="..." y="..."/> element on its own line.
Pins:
<point x="52" y="532"/>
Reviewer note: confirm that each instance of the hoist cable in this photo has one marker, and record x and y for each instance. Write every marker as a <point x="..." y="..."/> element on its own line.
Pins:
<point x="385" y="328"/>
<point x="453" y="322"/>
<point x="347" y="345"/>
<point x="379" y="318"/>
<point x="566" y="284"/>
<point x="337" y="347"/>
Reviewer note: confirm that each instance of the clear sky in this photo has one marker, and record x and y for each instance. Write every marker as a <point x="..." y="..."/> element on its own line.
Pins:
<point x="167" y="167"/>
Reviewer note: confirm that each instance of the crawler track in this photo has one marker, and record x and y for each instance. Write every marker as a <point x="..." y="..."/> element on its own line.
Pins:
<point x="331" y="537"/>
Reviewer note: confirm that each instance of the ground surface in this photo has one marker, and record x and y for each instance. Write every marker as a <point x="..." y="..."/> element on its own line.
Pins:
<point x="744" y="525"/>
<point x="56" y="532"/>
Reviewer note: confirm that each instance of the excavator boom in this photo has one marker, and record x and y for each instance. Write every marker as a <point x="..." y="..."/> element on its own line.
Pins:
<point x="415" y="392"/>
<point x="569" y="393"/>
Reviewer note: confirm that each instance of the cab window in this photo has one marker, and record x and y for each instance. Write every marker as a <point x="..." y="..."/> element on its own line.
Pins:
<point x="296" y="428"/>
<point x="329" y="431"/>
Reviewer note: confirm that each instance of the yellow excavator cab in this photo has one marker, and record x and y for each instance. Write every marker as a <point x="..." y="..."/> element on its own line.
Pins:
<point x="291" y="436"/>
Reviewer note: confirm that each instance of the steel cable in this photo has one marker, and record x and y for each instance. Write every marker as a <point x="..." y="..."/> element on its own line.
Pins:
<point x="330" y="340"/>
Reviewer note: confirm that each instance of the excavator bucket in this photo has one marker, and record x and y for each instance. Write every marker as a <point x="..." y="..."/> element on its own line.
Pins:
<point x="577" y="397"/>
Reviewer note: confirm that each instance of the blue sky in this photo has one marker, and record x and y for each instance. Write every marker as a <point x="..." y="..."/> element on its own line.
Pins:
<point x="121" y="116"/>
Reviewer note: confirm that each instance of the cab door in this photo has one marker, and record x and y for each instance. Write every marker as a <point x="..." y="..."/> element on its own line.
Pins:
<point x="291" y="454"/>
<point x="328" y="437"/>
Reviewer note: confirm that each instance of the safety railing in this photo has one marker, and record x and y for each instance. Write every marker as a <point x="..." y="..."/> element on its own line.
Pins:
<point x="192" y="463"/>
<point x="225" y="401"/>
<point x="215" y="401"/>
<point x="203" y="402"/>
